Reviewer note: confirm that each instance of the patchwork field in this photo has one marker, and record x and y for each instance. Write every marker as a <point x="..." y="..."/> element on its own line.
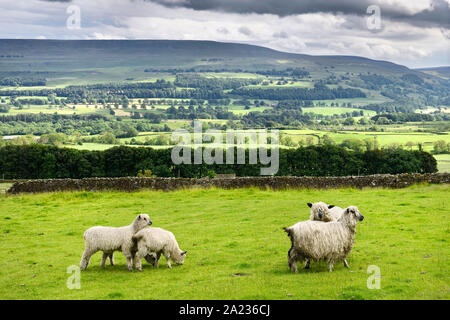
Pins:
<point x="236" y="247"/>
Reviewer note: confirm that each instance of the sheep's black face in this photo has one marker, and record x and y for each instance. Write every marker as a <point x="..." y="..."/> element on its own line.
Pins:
<point x="320" y="214"/>
<point x="355" y="213"/>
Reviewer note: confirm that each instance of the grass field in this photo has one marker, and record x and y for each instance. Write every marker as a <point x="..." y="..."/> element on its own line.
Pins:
<point x="236" y="248"/>
<point x="443" y="162"/>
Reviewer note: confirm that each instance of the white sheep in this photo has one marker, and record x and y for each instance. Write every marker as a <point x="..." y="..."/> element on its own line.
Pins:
<point x="151" y="241"/>
<point x="110" y="239"/>
<point x="320" y="211"/>
<point x="327" y="241"/>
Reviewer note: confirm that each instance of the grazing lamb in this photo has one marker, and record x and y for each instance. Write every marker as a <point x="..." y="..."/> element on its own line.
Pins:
<point x="150" y="241"/>
<point x="110" y="239"/>
<point x="317" y="240"/>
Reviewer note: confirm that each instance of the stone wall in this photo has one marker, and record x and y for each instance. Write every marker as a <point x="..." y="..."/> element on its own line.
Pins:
<point x="133" y="183"/>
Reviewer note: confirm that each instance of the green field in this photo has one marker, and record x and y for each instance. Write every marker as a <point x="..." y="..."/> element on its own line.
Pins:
<point x="236" y="248"/>
<point x="443" y="161"/>
<point x="329" y="111"/>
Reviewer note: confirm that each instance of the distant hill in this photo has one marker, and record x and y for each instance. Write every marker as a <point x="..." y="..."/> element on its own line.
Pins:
<point x="57" y="55"/>
<point x="443" y="72"/>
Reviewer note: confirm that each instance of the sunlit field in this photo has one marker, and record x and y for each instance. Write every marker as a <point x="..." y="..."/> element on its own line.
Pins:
<point x="236" y="246"/>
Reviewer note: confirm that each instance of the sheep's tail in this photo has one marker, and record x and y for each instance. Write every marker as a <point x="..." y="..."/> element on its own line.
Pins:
<point x="290" y="235"/>
<point x="289" y="232"/>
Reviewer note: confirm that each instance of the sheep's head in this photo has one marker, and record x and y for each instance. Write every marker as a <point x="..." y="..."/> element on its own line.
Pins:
<point x="351" y="216"/>
<point x="320" y="211"/>
<point x="179" y="258"/>
<point x="142" y="221"/>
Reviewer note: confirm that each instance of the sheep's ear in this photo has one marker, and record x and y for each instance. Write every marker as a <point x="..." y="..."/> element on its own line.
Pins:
<point x="139" y="217"/>
<point x="347" y="210"/>
<point x="183" y="253"/>
<point x="331" y="206"/>
<point x="309" y="204"/>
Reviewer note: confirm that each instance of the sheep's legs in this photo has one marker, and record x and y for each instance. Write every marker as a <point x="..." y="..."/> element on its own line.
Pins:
<point x="87" y="254"/>
<point x="292" y="260"/>
<point x="346" y="264"/>
<point x="130" y="263"/>
<point x="104" y="258"/>
<point x="293" y="264"/>
<point x="330" y="266"/>
<point x="111" y="258"/>
<point x="158" y="255"/>
<point x="167" y="257"/>
<point x="142" y="252"/>
<point x="137" y="262"/>
<point x="307" y="264"/>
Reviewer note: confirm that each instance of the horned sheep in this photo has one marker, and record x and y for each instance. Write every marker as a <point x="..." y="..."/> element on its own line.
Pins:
<point x="110" y="239"/>
<point x="149" y="243"/>
<point x="317" y="240"/>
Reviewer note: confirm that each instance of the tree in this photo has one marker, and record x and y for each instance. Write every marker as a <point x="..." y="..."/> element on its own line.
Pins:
<point x="349" y="121"/>
<point x="327" y="140"/>
<point x="440" y="146"/>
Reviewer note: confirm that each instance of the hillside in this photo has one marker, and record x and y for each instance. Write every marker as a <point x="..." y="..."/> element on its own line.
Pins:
<point x="78" y="62"/>
<point x="443" y="72"/>
<point x="70" y="55"/>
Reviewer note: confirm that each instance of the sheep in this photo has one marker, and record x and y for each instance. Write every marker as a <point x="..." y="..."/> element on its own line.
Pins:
<point x="149" y="243"/>
<point x="328" y="241"/>
<point x="110" y="239"/>
<point x="321" y="211"/>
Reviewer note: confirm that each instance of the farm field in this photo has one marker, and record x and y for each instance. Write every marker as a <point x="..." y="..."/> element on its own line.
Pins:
<point x="443" y="162"/>
<point x="236" y="247"/>
<point x="384" y="138"/>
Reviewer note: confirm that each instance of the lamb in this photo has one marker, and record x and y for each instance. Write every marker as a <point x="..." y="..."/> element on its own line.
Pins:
<point x="110" y="239"/>
<point x="317" y="240"/>
<point x="151" y="241"/>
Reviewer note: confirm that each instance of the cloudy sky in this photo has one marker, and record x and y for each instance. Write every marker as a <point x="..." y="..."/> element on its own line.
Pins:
<point x="415" y="33"/>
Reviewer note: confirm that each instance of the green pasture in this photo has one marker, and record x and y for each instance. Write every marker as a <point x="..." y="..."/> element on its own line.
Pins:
<point x="236" y="246"/>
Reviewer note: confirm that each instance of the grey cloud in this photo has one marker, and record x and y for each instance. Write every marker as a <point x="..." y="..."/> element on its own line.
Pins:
<point x="245" y="31"/>
<point x="437" y="16"/>
<point x="223" y="30"/>
<point x="281" y="35"/>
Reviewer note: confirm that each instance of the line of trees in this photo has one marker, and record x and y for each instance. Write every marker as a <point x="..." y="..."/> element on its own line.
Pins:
<point x="319" y="92"/>
<point x="42" y="161"/>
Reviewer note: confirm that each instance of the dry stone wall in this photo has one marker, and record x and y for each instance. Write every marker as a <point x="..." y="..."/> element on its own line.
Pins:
<point x="167" y="184"/>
